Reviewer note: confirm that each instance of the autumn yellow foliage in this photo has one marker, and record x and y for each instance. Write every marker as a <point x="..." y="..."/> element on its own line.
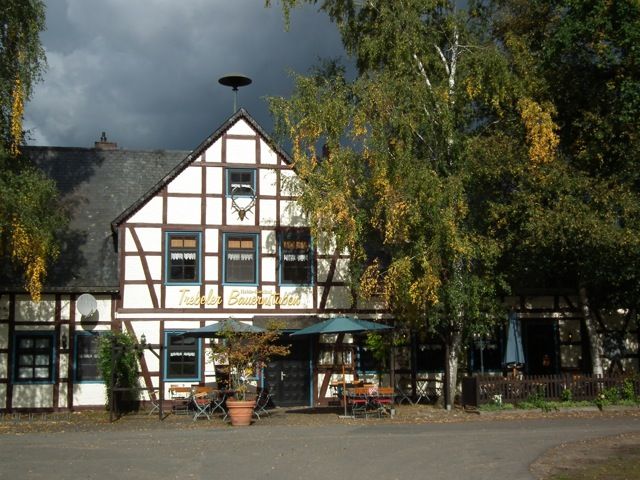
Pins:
<point x="542" y="136"/>
<point x="28" y="251"/>
<point x="16" y="117"/>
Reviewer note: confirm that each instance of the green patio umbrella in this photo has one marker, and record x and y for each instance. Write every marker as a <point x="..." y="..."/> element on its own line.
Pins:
<point x="342" y="325"/>
<point x="215" y="329"/>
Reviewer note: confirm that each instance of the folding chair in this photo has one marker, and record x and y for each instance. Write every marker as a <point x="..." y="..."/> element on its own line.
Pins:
<point x="401" y="394"/>
<point x="262" y="402"/>
<point x="154" y="400"/>
<point x="359" y="400"/>
<point x="422" y="390"/>
<point x="384" y="400"/>
<point x="180" y="399"/>
<point x="218" y="402"/>
<point x="201" y="402"/>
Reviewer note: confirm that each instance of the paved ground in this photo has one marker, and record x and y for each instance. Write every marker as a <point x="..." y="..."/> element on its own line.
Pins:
<point x="464" y="447"/>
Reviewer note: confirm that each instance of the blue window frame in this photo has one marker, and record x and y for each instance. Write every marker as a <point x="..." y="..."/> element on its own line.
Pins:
<point x="182" y="357"/>
<point x="33" y="357"/>
<point x="85" y="364"/>
<point x="183" y="258"/>
<point x="240" y="266"/>
<point x="296" y="257"/>
<point x="241" y="182"/>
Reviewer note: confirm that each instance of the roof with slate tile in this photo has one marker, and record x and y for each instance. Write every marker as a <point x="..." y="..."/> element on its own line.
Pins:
<point x="96" y="186"/>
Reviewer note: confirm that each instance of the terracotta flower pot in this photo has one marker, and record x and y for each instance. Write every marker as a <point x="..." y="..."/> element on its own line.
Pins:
<point x="240" y="411"/>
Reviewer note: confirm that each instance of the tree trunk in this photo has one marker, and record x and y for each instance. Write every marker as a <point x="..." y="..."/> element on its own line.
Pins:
<point x="452" y="352"/>
<point x="595" y="340"/>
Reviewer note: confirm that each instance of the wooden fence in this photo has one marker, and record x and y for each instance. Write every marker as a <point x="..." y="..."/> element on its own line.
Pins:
<point x="480" y="390"/>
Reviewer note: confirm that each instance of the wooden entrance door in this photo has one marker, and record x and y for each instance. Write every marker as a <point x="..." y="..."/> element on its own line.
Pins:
<point x="288" y="378"/>
<point x="540" y="347"/>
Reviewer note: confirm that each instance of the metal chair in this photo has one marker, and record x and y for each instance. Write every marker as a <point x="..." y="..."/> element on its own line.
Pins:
<point x="201" y="402"/>
<point x="384" y="401"/>
<point x="218" y="402"/>
<point x="262" y="402"/>
<point x="180" y="399"/>
<point x="154" y="400"/>
<point x="401" y="393"/>
<point x="359" y="400"/>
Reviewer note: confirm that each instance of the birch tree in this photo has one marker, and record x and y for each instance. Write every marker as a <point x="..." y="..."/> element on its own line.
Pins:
<point x="396" y="183"/>
<point x="29" y="211"/>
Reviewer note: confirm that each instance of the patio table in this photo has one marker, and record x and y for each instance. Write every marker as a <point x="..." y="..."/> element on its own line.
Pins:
<point x="370" y="399"/>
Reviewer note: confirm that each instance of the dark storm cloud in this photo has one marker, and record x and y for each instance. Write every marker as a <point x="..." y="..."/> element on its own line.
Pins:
<point x="145" y="71"/>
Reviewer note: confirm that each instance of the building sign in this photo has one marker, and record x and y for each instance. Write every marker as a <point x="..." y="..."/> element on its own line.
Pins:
<point x="248" y="298"/>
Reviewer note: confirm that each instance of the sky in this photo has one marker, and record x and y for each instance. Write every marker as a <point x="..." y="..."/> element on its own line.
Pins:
<point x="146" y="71"/>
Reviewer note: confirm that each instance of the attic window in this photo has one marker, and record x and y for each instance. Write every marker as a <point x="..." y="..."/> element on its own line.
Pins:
<point x="241" y="182"/>
<point x="183" y="257"/>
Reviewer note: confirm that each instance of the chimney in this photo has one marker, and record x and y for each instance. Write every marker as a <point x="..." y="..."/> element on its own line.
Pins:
<point x="103" y="144"/>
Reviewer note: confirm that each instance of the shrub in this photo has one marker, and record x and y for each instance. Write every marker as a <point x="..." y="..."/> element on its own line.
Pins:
<point x="118" y="364"/>
<point x="567" y="395"/>
<point x="627" y="391"/>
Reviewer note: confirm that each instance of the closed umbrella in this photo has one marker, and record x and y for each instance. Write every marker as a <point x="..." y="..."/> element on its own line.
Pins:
<point x="342" y="325"/>
<point x="514" y="355"/>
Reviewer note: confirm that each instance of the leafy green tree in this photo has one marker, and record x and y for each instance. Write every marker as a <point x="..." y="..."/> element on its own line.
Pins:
<point x="396" y="183"/>
<point x="29" y="211"/>
<point x="574" y="216"/>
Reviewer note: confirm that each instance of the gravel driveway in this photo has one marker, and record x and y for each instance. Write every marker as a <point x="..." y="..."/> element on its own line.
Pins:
<point x="418" y="444"/>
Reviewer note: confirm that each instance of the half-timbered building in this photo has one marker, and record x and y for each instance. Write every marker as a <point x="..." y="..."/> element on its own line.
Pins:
<point x="170" y="241"/>
<point x="166" y="242"/>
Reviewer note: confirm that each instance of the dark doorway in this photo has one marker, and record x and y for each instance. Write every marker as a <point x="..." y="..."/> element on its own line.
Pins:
<point x="540" y="347"/>
<point x="287" y="378"/>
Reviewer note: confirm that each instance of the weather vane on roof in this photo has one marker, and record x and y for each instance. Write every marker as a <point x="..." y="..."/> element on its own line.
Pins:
<point x="235" y="81"/>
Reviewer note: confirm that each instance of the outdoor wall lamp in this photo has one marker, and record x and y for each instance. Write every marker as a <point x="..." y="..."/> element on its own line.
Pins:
<point x="143" y="339"/>
<point x="64" y="341"/>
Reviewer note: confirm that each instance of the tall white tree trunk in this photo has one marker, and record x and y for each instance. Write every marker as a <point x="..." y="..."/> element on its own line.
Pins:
<point x="451" y="366"/>
<point x="595" y="340"/>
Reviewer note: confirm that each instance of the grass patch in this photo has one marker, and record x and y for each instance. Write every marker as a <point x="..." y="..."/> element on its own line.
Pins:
<point x="495" y="407"/>
<point x="550" y="405"/>
<point x="623" y="465"/>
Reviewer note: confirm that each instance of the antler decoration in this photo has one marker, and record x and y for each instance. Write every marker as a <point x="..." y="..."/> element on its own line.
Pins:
<point x="242" y="211"/>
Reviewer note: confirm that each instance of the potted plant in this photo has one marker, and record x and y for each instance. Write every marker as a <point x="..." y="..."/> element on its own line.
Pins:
<point x="244" y="352"/>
